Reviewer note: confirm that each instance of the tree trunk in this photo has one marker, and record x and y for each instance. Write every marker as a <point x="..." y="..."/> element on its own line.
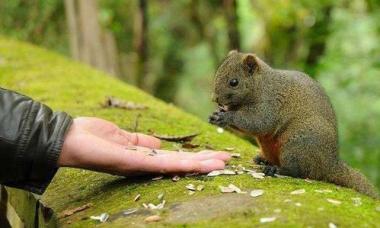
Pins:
<point x="231" y="15"/>
<point x="141" y="43"/>
<point x="89" y="43"/>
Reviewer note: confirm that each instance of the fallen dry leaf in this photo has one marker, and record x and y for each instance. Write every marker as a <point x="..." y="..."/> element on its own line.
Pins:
<point x="112" y="102"/>
<point x="177" y="138"/>
<point x="67" y="213"/>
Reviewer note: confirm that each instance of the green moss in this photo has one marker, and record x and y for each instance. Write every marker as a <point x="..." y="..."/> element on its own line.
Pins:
<point x="79" y="90"/>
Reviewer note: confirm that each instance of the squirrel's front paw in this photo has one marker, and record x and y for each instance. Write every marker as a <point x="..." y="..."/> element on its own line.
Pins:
<point x="219" y="118"/>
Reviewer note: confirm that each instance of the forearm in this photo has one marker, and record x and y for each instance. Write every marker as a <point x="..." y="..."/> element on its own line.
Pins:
<point x="31" y="138"/>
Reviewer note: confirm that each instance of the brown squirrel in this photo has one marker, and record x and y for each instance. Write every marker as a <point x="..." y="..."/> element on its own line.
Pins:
<point x="290" y="116"/>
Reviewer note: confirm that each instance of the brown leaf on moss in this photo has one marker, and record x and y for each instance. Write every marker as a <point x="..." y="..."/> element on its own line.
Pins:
<point x="177" y="138"/>
<point x="69" y="212"/>
<point x="188" y="145"/>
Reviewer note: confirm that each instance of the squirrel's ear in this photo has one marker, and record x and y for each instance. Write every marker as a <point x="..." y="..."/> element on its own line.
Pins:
<point x="250" y="63"/>
<point x="232" y="52"/>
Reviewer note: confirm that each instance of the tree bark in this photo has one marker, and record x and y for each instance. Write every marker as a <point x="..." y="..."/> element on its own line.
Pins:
<point x="231" y="15"/>
<point x="89" y="43"/>
<point x="141" y="43"/>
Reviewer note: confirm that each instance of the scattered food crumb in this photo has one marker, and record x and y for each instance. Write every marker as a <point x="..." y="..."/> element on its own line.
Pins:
<point x="229" y="172"/>
<point x="176" y="178"/>
<point x="235" y="155"/>
<point x="298" y="192"/>
<point x="137" y="197"/>
<point x="332" y="225"/>
<point x="256" y="192"/>
<point x="226" y="189"/>
<point x="153" y="218"/>
<point x="229" y="148"/>
<point x="190" y="187"/>
<point x="335" y="202"/>
<point x="257" y="175"/>
<point x="220" y="130"/>
<point x="157" y="178"/>
<point x="158" y="206"/>
<point x="130" y="211"/>
<point x="200" y="187"/>
<point x="269" y="219"/>
<point x="101" y="218"/>
<point x="298" y="204"/>
<point x="236" y="189"/>
<point x="67" y="213"/>
<point x="215" y="173"/>
<point x="357" y="201"/>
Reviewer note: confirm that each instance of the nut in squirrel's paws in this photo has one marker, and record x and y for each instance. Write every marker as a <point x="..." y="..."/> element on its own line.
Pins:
<point x="219" y="118"/>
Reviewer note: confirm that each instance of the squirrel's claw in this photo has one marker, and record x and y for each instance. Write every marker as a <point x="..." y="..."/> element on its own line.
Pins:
<point x="270" y="170"/>
<point x="218" y="118"/>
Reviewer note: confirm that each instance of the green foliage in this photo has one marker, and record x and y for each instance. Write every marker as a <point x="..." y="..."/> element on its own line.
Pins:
<point x="350" y="72"/>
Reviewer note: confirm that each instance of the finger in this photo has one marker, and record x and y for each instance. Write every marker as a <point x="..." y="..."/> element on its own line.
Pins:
<point x="139" y="139"/>
<point x="164" y="164"/>
<point x="203" y="155"/>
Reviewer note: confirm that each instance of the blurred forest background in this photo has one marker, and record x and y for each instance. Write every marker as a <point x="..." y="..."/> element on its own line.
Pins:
<point x="172" y="48"/>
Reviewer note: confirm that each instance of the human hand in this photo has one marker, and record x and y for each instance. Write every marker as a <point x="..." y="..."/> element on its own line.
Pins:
<point x="96" y="144"/>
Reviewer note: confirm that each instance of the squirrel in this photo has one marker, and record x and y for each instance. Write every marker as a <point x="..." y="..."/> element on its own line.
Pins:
<point x="289" y="115"/>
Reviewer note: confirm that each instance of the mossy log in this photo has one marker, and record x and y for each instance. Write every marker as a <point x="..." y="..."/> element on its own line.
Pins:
<point x="80" y="90"/>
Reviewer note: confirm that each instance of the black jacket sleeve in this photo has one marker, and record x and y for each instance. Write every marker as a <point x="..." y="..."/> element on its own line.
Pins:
<point x="31" y="138"/>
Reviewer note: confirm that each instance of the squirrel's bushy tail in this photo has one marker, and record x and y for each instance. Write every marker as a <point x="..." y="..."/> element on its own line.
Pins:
<point x="346" y="176"/>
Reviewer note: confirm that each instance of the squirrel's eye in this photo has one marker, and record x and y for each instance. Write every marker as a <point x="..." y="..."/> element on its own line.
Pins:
<point x="234" y="82"/>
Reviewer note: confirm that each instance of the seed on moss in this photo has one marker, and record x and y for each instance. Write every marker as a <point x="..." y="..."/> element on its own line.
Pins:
<point x="200" y="187"/>
<point x="191" y="193"/>
<point x="224" y="189"/>
<point x="235" y="155"/>
<point x="335" y="202"/>
<point x="215" y="173"/>
<point x="323" y="191"/>
<point x="257" y="175"/>
<point x="137" y="197"/>
<point x="269" y="219"/>
<point x="332" y="225"/>
<point x="256" y="193"/>
<point x="357" y="201"/>
<point x="298" y="192"/>
<point x="160" y="196"/>
<point x="190" y="187"/>
<point x="229" y="148"/>
<point x="176" y="178"/>
<point x="157" y="178"/>
<point x="298" y="204"/>
<point x="101" y="218"/>
<point x="130" y="211"/>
